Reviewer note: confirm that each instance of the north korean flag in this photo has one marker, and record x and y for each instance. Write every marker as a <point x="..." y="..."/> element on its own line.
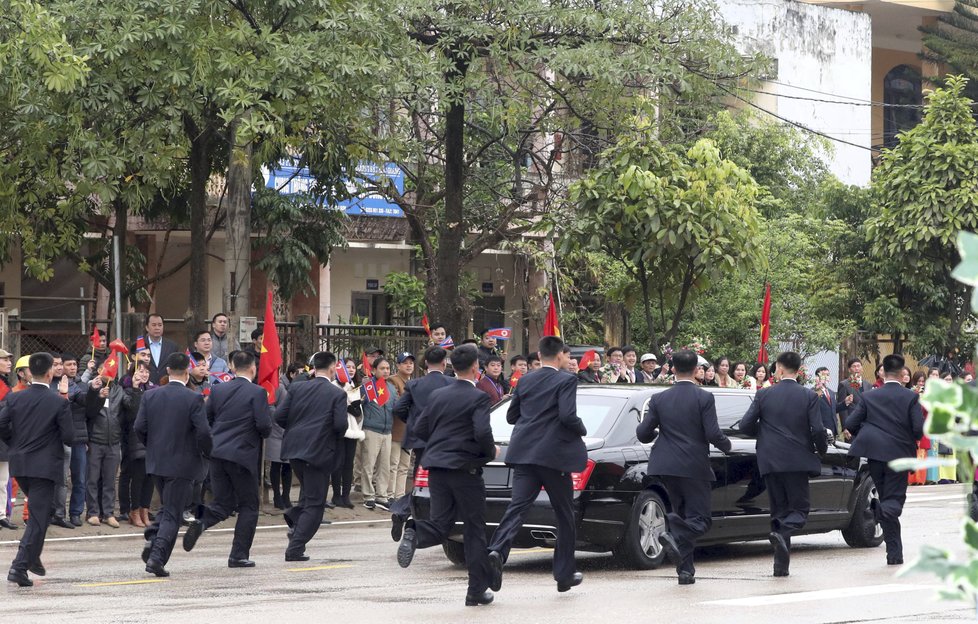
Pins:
<point x="500" y="333"/>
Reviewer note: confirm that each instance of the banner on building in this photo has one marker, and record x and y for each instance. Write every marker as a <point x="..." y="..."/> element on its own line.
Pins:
<point x="289" y="179"/>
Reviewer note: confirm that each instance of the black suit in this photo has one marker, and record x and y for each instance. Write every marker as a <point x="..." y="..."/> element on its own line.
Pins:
<point x="886" y="425"/>
<point x="686" y="419"/>
<point x="36" y="425"/>
<point x="172" y="425"/>
<point x="158" y="369"/>
<point x="412" y="402"/>
<point x="545" y="447"/>
<point x="845" y="389"/>
<point x="786" y="422"/>
<point x="313" y="416"/>
<point x="239" y="417"/>
<point x="455" y="426"/>
<point x="827" y="409"/>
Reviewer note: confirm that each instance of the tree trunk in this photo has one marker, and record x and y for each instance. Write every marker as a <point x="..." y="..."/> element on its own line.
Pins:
<point x="121" y="230"/>
<point x="200" y="147"/>
<point x="614" y="323"/>
<point x="237" y="245"/>
<point x="643" y="280"/>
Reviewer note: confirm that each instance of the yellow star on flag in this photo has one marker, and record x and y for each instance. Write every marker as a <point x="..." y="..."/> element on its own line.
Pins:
<point x="380" y="391"/>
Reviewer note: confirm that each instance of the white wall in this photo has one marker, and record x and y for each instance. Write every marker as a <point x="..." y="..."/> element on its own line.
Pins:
<point x="820" y="49"/>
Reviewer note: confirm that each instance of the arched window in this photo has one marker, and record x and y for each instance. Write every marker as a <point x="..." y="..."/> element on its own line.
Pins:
<point x="901" y="86"/>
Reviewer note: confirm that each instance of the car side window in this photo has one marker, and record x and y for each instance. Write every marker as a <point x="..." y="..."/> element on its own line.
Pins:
<point x="731" y="408"/>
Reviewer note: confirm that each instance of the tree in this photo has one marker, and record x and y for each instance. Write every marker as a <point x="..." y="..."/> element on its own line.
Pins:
<point x="506" y="101"/>
<point x="675" y="220"/>
<point x="923" y="194"/>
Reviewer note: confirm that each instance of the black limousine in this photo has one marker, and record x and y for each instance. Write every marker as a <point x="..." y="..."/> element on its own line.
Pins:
<point x="622" y="510"/>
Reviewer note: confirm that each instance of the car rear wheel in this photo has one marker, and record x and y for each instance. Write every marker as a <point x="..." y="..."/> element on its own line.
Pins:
<point x="455" y="551"/>
<point x="639" y="547"/>
<point x="863" y="530"/>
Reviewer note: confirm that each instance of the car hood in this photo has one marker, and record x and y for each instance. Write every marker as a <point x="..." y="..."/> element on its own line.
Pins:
<point x="591" y="444"/>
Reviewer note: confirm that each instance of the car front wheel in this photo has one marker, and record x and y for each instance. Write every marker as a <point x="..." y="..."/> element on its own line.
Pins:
<point x="863" y="530"/>
<point x="639" y="547"/>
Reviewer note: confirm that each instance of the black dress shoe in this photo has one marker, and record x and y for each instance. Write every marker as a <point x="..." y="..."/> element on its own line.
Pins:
<point x="7" y="524"/>
<point x="397" y="527"/>
<point x="685" y="578"/>
<point x="782" y="555"/>
<point x="76" y="521"/>
<point x="671" y="547"/>
<point x="574" y="581"/>
<point x="496" y="568"/>
<point x="19" y="577"/>
<point x="329" y="505"/>
<point x="474" y="600"/>
<point x="155" y="567"/>
<point x="289" y="557"/>
<point x="894" y="561"/>
<point x="61" y="522"/>
<point x="192" y="535"/>
<point x="241" y="563"/>
<point x="405" y="552"/>
<point x="147" y="551"/>
<point x="37" y="568"/>
<point x="778" y="571"/>
<point x="347" y="503"/>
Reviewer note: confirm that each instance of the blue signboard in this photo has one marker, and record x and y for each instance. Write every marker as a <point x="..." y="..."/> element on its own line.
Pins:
<point x="290" y="180"/>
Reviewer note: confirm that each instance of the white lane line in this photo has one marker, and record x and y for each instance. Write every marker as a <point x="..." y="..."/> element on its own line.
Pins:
<point x="822" y="594"/>
<point x="936" y="499"/>
<point x="227" y="530"/>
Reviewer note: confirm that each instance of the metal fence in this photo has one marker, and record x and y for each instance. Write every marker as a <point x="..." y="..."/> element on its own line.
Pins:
<point x="353" y="340"/>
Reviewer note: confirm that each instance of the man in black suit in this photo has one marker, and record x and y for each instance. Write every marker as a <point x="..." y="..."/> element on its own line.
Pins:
<point x="172" y="425"/>
<point x="827" y="403"/>
<point x="36" y="425"/>
<point x="851" y="390"/>
<point x="686" y="419"/>
<point x="786" y="422"/>
<point x="544" y="449"/>
<point x="240" y="419"/>
<point x="160" y="348"/>
<point x="313" y="415"/>
<point x="455" y="426"/>
<point x="886" y="425"/>
<point x="409" y="407"/>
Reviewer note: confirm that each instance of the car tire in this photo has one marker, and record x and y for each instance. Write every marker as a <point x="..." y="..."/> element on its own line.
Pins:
<point x="455" y="551"/>
<point x="639" y="547"/>
<point x="863" y="530"/>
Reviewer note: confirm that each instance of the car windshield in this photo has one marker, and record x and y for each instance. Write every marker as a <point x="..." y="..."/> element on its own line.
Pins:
<point x="597" y="412"/>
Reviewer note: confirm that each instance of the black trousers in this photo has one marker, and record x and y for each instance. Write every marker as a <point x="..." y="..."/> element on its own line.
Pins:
<point x="141" y="485"/>
<point x="690" y="517"/>
<point x="307" y="514"/>
<point x="790" y="504"/>
<point x="459" y="495"/>
<point x="235" y="489"/>
<point x="41" y="494"/>
<point x="126" y="504"/>
<point x="527" y="481"/>
<point x="175" y="495"/>
<point x="892" y="488"/>
<point x="280" y="477"/>
<point x="342" y="477"/>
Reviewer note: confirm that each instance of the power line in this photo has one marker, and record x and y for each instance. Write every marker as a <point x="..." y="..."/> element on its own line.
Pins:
<point x="842" y="102"/>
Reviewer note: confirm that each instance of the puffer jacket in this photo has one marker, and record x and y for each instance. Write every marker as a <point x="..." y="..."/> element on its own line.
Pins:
<point x="379" y="418"/>
<point x="132" y="446"/>
<point x="103" y="417"/>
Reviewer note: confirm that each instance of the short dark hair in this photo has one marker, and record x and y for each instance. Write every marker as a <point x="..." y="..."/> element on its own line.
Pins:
<point x="40" y="363"/>
<point x="435" y="326"/>
<point x="200" y="333"/>
<point x="464" y="357"/>
<point x="613" y="349"/>
<point x="56" y="356"/>
<point x="820" y="369"/>
<point x="242" y="360"/>
<point x="629" y="349"/>
<point x="550" y="347"/>
<point x="255" y="333"/>
<point x="852" y="361"/>
<point x="493" y="358"/>
<point x="232" y="353"/>
<point x="68" y="357"/>
<point x="435" y="355"/>
<point x="149" y="317"/>
<point x="471" y="341"/>
<point x="893" y="364"/>
<point x="378" y="361"/>
<point x="214" y="318"/>
<point x="178" y="362"/>
<point x="198" y="357"/>
<point x="516" y="358"/>
<point x="533" y="357"/>
<point x="323" y="360"/>
<point x="789" y="360"/>
<point x="685" y="361"/>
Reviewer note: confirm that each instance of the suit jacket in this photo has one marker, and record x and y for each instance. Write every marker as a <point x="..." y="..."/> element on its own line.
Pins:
<point x="827" y="410"/>
<point x="588" y="376"/>
<point x="414" y="400"/>
<point x="36" y="424"/>
<point x="240" y="418"/>
<point x="313" y="416"/>
<point x="455" y="427"/>
<point x="785" y="420"/>
<point x="547" y="429"/>
<point x="686" y="417"/>
<point x="495" y="393"/>
<point x="172" y="425"/>
<point x="886" y="424"/>
<point x="158" y="370"/>
<point x="845" y="390"/>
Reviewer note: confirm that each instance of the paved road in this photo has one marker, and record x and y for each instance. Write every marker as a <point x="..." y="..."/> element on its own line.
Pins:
<point x="353" y="575"/>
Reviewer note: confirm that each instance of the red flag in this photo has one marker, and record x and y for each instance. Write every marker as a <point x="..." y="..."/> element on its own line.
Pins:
<point x="765" y="324"/>
<point x="342" y="375"/>
<point x="383" y="392"/>
<point x="271" y="353"/>
<point x="586" y="359"/>
<point x="515" y="378"/>
<point x="426" y="325"/>
<point x="552" y="326"/>
<point x="95" y="338"/>
<point x="367" y="369"/>
<point x="369" y="389"/>
<point x="118" y="346"/>
<point x="110" y="368"/>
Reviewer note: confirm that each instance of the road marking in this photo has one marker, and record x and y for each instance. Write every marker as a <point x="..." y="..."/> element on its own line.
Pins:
<point x="530" y="551"/>
<point x="227" y="530"/>
<point x="822" y="594"/>
<point x="936" y="499"/>
<point x="325" y="567"/>
<point x="116" y="583"/>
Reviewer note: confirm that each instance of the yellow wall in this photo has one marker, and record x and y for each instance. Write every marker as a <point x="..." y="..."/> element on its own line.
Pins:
<point x="883" y="61"/>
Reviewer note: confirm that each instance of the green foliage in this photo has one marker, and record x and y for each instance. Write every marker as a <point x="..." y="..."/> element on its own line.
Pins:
<point x="675" y="219"/>
<point x="407" y="294"/>
<point x="923" y="194"/>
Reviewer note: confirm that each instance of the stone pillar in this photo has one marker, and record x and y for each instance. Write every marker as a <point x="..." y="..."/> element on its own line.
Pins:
<point x="325" y="294"/>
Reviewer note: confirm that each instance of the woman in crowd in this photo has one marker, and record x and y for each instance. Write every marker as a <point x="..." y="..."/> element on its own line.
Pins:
<point x="614" y="370"/>
<point x="709" y="375"/>
<point x="741" y="379"/>
<point x="378" y="422"/>
<point x="136" y="493"/>
<point x="723" y="378"/>
<point x="760" y="375"/>
<point x="699" y="375"/>
<point x="342" y="478"/>
<point x="919" y="477"/>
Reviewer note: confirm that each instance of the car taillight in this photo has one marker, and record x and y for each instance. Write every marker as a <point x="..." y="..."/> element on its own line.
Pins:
<point x="579" y="479"/>
<point x="421" y="477"/>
